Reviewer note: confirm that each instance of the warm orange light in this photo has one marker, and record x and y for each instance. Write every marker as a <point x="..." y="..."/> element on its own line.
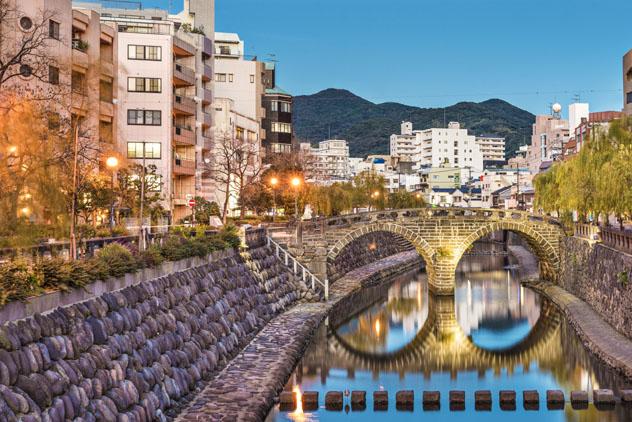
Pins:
<point x="12" y="149"/>
<point x="377" y="327"/>
<point x="418" y="195"/>
<point x="274" y="181"/>
<point x="299" y="401"/>
<point x="112" y="162"/>
<point x="296" y="182"/>
<point x="26" y="211"/>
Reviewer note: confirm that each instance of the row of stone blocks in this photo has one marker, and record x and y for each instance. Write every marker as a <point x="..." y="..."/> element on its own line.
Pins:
<point x="603" y="399"/>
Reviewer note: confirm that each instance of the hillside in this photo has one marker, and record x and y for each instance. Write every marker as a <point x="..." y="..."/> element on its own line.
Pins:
<point x="368" y="126"/>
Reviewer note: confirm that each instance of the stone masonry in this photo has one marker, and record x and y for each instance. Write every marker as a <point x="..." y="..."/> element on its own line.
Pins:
<point x="440" y="235"/>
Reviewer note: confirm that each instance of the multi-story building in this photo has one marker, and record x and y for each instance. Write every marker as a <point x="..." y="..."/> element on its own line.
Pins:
<point x="493" y="149"/>
<point x="627" y="83"/>
<point x="550" y="134"/>
<point x="597" y="120"/>
<point x="79" y="77"/>
<point x="406" y="145"/>
<point x="277" y="123"/>
<point x="165" y="96"/>
<point x="328" y="163"/>
<point x="494" y="180"/>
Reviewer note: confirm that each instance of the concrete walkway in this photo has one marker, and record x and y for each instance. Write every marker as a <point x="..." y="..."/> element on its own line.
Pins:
<point x="600" y="338"/>
<point x="245" y="390"/>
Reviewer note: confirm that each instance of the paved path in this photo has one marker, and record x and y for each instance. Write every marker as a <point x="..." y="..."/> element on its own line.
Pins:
<point x="245" y="390"/>
<point x="603" y="340"/>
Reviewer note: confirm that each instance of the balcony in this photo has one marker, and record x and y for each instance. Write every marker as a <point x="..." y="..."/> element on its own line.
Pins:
<point x="107" y="68"/>
<point x="79" y="102"/>
<point x="183" y="105"/>
<point x="207" y="142"/>
<point x="183" y="76"/>
<point x="106" y="109"/>
<point x="207" y="47"/>
<point x="79" y="56"/>
<point x="207" y="120"/>
<point x="207" y="96"/>
<point x="182" y="48"/>
<point x="80" y="21"/>
<point x="183" y="167"/>
<point x="183" y="136"/>
<point x="207" y="73"/>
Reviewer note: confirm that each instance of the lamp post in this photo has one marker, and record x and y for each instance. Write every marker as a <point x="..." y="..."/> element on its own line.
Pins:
<point x="274" y="182"/>
<point x="374" y="196"/>
<point x="112" y="163"/>
<point x="296" y="184"/>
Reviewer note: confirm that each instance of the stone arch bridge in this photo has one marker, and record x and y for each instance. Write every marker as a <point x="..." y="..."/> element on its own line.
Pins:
<point x="440" y="235"/>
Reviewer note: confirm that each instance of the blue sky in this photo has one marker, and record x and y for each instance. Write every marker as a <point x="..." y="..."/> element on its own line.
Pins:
<point x="432" y="53"/>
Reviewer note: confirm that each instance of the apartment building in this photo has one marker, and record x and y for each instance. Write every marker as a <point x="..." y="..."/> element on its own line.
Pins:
<point x="328" y="163"/>
<point x="493" y="149"/>
<point x="406" y="145"/>
<point x="278" y="134"/>
<point x="165" y="96"/>
<point x="80" y="72"/>
<point x="550" y="134"/>
<point x="494" y="180"/>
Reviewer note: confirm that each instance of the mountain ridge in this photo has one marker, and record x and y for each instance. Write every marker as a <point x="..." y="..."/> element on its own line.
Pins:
<point x="367" y="126"/>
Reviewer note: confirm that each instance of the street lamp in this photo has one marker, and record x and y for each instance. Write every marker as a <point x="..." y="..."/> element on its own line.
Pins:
<point x="274" y="182"/>
<point x="112" y="163"/>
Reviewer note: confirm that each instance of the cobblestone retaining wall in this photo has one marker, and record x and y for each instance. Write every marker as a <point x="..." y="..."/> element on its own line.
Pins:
<point x="600" y="276"/>
<point x="136" y="354"/>
<point x="367" y="249"/>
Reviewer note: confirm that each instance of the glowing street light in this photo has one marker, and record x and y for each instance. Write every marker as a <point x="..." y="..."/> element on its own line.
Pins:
<point x="12" y="149"/>
<point x="296" y="182"/>
<point x="112" y="163"/>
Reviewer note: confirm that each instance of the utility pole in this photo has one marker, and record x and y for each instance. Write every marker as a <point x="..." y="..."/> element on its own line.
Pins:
<point x="141" y="235"/>
<point x="73" y="236"/>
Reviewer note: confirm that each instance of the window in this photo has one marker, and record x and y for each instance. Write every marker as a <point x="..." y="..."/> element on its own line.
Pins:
<point x="281" y="148"/>
<point x="144" y="84"/>
<point x="53" y="75"/>
<point x="252" y="79"/>
<point x="230" y="77"/>
<point x="53" y="29"/>
<point x="153" y="182"/>
<point x="281" y="127"/>
<point x="144" y="52"/>
<point x="274" y="106"/>
<point x="135" y="150"/>
<point x="286" y="107"/>
<point x="144" y="117"/>
<point x="26" y="23"/>
<point x="629" y="98"/>
<point x="220" y="77"/>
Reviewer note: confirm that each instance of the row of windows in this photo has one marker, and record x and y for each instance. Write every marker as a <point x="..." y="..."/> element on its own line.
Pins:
<point x="628" y="98"/>
<point x="230" y="77"/>
<point x="144" y="117"/>
<point x="152" y="150"/>
<point x="144" y="52"/>
<point x="281" y="106"/>
<point x="281" y="127"/>
<point x="144" y="85"/>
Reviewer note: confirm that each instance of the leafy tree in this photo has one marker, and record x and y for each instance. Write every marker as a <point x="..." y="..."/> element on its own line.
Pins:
<point x="205" y="209"/>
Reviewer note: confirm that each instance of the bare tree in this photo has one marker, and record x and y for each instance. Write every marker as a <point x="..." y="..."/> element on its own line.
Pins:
<point x="247" y="167"/>
<point x="25" y="52"/>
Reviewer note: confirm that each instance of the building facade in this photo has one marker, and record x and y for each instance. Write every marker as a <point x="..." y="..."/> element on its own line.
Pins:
<point x="277" y="123"/>
<point x="627" y="83"/>
<point x="493" y="149"/>
<point x="165" y="97"/>
<point x="328" y="163"/>
<point x="549" y="134"/>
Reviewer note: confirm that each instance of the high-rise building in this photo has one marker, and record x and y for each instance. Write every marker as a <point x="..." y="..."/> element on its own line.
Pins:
<point x="550" y="134"/>
<point x="165" y="95"/>
<point x="328" y="163"/>
<point x="627" y="83"/>
<point x="277" y="123"/>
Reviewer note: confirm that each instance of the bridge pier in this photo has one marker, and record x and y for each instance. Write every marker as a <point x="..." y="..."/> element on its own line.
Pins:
<point x="442" y="275"/>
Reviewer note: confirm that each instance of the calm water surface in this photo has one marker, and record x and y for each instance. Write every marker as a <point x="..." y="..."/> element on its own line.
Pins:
<point x="494" y="334"/>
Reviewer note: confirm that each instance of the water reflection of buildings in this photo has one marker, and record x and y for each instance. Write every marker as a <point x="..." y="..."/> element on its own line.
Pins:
<point x="492" y="298"/>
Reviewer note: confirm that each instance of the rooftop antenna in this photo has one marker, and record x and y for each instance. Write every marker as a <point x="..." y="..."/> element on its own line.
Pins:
<point x="445" y="124"/>
<point x="577" y="98"/>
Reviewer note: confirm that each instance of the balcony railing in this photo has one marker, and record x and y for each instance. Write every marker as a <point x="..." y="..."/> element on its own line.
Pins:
<point x="183" y="48"/>
<point x="586" y="231"/>
<point x="207" y="120"/>
<point x="207" y="96"/>
<point x="207" y="47"/>
<point x="207" y="73"/>
<point x="183" y="136"/>
<point x="184" y="166"/>
<point x="183" y="76"/>
<point x="183" y="105"/>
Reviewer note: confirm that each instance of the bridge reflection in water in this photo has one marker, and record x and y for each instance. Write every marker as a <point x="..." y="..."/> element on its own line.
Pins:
<point x="492" y="334"/>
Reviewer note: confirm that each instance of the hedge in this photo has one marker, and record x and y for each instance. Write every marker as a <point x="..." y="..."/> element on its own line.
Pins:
<point x="20" y="279"/>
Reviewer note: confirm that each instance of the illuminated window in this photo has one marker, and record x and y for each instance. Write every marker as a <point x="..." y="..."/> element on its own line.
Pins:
<point x="135" y="150"/>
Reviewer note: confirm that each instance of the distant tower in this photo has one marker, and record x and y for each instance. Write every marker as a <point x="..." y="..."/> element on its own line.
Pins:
<point x="556" y="110"/>
<point x="407" y="128"/>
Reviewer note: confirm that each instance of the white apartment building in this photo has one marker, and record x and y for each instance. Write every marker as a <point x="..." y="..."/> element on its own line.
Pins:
<point x="549" y="135"/>
<point x="577" y="112"/>
<point x="494" y="180"/>
<point x="328" y="163"/>
<point x="165" y="95"/>
<point x="434" y="147"/>
<point x="493" y="149"/>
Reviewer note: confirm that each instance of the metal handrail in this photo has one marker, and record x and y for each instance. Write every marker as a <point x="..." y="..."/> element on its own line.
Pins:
<point x="305" y="273"/>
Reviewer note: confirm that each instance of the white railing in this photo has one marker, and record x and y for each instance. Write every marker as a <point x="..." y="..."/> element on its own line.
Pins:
<point x="298" y="268"/>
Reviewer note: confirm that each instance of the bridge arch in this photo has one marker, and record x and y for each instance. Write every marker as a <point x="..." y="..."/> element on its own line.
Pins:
<point x="422" y="247"/>
<point x="547" y="254"/>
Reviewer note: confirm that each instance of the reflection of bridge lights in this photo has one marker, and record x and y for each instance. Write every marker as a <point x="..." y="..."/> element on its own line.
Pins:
<point x="298" y="414"/>
<point x="372" y="246"/>
<point x="378" y="327"/>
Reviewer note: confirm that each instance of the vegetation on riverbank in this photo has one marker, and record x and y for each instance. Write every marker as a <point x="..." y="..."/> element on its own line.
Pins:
<point x="20" y="279"/>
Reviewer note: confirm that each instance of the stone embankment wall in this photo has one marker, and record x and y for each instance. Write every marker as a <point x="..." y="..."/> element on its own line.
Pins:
<point x="138" y="353"/>
<point x="367" y="249"/>
<point x="600" y="276"/>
